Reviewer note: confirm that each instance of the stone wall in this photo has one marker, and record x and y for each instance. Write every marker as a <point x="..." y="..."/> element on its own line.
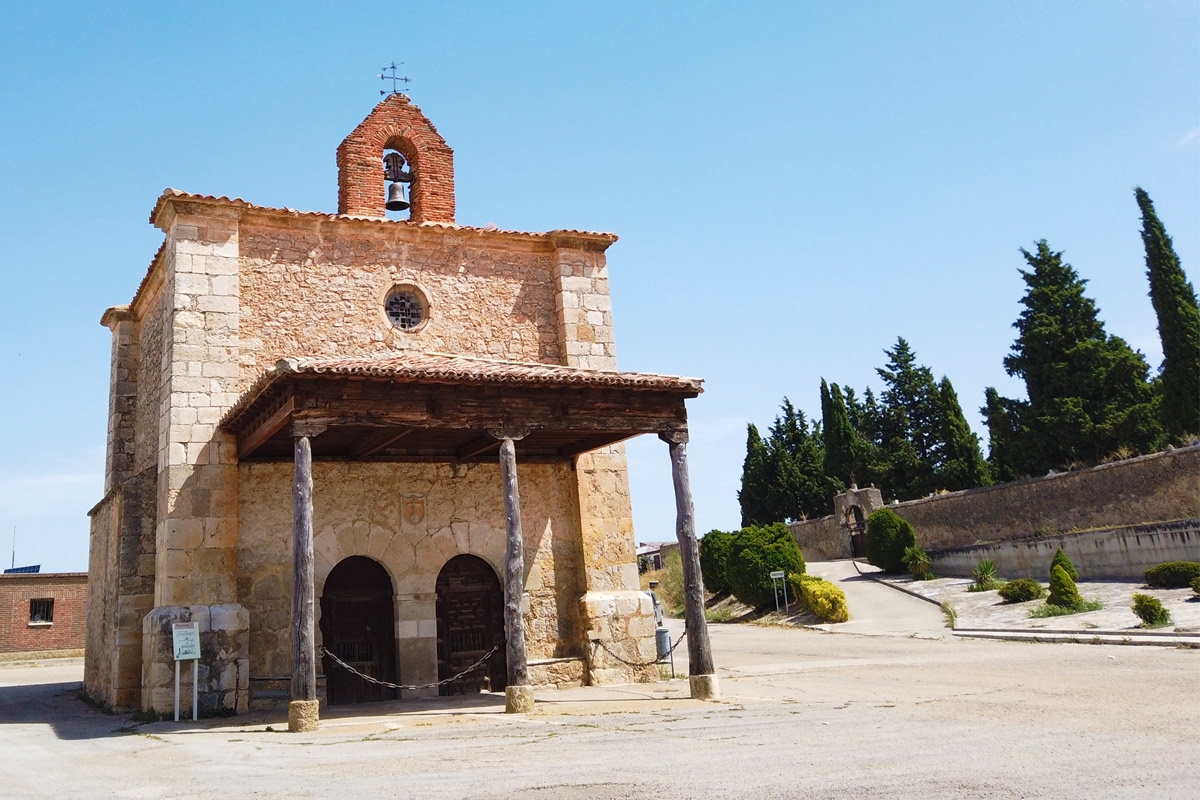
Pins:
<point x="824" y="539"/>
<point x="357" y="511"/>
<point x="1158" y="487"/>
<point x="315" y="289"/>
<point x="20" y="634"/>
<point x="1116" y="553"/>
<point x="120" y="590"/>
<point x="1161" y="486"/>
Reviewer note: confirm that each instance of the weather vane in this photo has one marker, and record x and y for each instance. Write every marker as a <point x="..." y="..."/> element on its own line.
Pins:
<point x="394" y="78"/>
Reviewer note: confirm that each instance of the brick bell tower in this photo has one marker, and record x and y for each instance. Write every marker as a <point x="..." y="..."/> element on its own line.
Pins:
<point x="396" y="124"/>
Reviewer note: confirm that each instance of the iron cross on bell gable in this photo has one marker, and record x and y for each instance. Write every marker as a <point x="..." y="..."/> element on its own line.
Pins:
<point x="394" y="78"/>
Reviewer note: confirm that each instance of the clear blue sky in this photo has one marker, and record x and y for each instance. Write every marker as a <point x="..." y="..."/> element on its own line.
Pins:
<point x="795" y="184"/>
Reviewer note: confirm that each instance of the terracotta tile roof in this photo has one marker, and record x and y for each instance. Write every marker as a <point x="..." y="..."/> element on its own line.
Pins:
<point x="236" y="202"/>
<point x="459" y="369"/>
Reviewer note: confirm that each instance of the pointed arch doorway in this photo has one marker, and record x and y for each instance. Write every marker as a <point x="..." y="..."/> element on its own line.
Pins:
<point x="470" y="622"/>
<point x="358" y="626"/>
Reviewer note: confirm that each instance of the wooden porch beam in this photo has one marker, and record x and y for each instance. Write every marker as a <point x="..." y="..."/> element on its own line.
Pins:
<point x="256" y="437"/>
<point x="476" y="447"/>
<point x="373" y="443"/>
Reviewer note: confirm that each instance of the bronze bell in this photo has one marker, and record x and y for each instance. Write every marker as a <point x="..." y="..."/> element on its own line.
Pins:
<point x="396" y="200"/>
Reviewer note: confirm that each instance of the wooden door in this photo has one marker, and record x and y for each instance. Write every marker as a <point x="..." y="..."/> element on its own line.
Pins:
<point x="358" y="626"/>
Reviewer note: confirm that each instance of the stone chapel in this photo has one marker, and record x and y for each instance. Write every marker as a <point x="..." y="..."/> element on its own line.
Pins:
<point x="343" y="441"/>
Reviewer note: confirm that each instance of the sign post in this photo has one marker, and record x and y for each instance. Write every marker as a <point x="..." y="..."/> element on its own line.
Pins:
<point x="779" y="575"/>
<point x="185" y="636"/>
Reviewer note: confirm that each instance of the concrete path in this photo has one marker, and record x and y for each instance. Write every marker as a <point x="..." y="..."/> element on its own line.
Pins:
<point x="877" y="609"/>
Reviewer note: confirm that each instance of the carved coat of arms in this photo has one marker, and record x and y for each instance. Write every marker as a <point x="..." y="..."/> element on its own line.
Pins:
<point x="412" y="508"/>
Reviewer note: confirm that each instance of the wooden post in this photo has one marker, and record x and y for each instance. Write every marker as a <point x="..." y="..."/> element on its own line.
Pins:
<point x="303" y="713"/>
<point x="701" y="672"/>
<point x="518" y="694"/>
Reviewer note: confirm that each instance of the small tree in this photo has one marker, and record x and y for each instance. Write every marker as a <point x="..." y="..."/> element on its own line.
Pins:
<point x="1060" y="560"/>
<point x="917" y="561"/>
<point x="714" y="554"/>
<point x="1063" y="592"/>
<point x="887" y="536"/>
<point x="754" y="554"/>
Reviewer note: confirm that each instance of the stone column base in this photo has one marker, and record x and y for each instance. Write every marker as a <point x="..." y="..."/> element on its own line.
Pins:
<point x="623" y="620"/>
<point x="704" y="687"/>
<point x="518" y="699"/>
<point x="304" y="716"/>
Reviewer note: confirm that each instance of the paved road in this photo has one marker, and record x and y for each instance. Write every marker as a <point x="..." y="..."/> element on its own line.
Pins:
<point x="805" y="713"/>
<point x="876" y="609"/>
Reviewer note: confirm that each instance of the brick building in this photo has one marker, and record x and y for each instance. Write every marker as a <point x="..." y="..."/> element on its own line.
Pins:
<point x="384" y="366"/>
<point x="43" y="614"/>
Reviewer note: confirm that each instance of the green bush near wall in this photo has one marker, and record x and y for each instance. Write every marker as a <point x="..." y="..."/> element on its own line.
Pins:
<point x="888" y="534"/>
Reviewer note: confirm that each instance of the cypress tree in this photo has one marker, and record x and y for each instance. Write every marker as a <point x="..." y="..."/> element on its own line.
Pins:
<point x="1088" y="391"/>
<point x="1001" y="416"/>
<point x="911" y="436"/>
<point x="837" y="435"/>
<point x="1175" y="305"/>
<point x="962" y="465"/>
<point x="753" y="495"/>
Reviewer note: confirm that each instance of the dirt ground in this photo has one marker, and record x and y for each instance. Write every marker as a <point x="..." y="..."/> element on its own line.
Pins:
<point x="804" y="713"/>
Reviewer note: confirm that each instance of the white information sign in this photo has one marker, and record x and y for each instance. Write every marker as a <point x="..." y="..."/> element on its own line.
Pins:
<point x="776" y="575"/>
<point x="186" y="638"/>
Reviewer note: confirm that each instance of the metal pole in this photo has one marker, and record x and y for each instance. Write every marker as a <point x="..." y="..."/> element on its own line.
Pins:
<point x="195" y="688"/>
<point x="177" y="690"/>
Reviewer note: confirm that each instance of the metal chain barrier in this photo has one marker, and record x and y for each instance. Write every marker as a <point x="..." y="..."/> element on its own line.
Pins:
<point x="387" y="685"/>
<point x="639" y="664"/>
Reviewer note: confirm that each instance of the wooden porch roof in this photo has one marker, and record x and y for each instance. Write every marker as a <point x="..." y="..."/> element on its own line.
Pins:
<point x="433" y="407"/>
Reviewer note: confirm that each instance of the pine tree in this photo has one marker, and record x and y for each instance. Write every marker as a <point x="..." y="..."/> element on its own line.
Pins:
<point x="1175" y="305"/>
<point x="962" y="465"/>
<point x="1088" y="392"/>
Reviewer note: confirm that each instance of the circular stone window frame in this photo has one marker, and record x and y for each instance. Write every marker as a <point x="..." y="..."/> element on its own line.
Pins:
<point x="416" y="291"/>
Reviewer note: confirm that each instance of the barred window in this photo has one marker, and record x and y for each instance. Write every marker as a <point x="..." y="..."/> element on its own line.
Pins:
<point x="405" y="309"/>
<point x="41" y="611"/>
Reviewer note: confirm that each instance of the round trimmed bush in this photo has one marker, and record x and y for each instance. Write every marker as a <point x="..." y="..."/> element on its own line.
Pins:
<point x="1063" y="591"/>
<point x="1195" y="584"/>
<point x="1022" y="590"/>
<point x="714" y="553"/>
<point x="1150" y="610"/>
<point x="754" y="554"/>
<point x="888" y="534"/>
<point x="1173" y="574"/>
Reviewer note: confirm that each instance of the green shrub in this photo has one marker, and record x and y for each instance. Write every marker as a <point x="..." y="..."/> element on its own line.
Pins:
<point x="754" y="554"/>
<point x="822" y="598"/>
<point x="670" y="589"/>
<point x="714" y="553"/>
<point x="887" y="536"/>
<point x="984" y="577"/>
<point x="1173" y="574"/>
<point x="1063" y="592"/>
<point x="917" y="561"/>
<point x="1048" y="610"/>
<point x="1196" y="586"/>
<point x="1060" y="559"/>
<point x="1022" y="590"/>
<point x="1150" y="611"/>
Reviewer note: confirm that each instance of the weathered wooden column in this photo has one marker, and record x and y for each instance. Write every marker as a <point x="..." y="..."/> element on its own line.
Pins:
<point x="518" y="694"/>
<point x="702" y="675"/>
<point x="303" y="710"/>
